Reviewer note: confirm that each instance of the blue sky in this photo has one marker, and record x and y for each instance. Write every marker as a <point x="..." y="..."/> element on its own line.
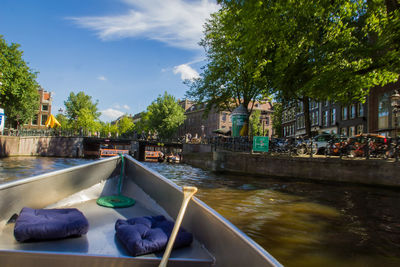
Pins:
<point x="123" y="53"/>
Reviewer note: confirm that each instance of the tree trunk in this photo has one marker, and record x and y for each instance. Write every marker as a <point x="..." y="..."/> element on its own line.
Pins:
<point x="306" y="110"/>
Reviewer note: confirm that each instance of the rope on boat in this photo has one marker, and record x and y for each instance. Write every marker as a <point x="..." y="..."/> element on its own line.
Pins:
<point x="118" y="201"/>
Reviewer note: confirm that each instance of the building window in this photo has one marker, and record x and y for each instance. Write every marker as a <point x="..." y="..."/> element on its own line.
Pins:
<point x="343" y="131"/>
<point x="314" y="118"/>
<point x="300" y="122"/>
<point x="266" y="120"/>
<point x="360" y="129"/>
<point x="352" y="111"/>
<point x="383" y="111"/>
<point x="45" y="107"/>
<point x="300" y="107"/>
<point x="360" y="110"/>
<point x="325" y="118"/>
<point x="35" y="120"/>
<point x="44" y="119"/>
<point x="333" y="116"/>
<point x="344" y="113"/>
<point x="224" y="117"/>
<point x="351" y="131"/>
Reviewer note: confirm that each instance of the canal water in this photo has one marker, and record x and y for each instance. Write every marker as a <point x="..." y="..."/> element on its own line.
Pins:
<point x="301" y="223"/>
<point x="12" y="168"/>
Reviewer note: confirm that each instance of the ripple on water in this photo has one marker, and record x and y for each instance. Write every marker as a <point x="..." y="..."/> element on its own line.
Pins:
<point x="12" y="168"/>
<point x="303" y="223"/>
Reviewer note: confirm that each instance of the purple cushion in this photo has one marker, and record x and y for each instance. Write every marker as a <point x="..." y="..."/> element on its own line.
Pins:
<point x="143" y="235"/>
<point x="46" y="224"/>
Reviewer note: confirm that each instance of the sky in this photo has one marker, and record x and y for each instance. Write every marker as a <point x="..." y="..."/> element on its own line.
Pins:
<point x="123" y="53"/>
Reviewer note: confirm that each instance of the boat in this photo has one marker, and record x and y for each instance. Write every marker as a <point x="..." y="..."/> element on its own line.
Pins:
<point x="216" y="242"/>
<point x="107" y="152"/>
<point x="153" y="155"/>
<point x="173" y="159"/>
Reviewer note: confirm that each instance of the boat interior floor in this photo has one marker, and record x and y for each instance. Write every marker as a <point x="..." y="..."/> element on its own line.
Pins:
<point x="100" y="239"/>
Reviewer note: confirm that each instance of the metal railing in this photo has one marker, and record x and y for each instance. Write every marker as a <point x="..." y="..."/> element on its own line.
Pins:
<point x="368" y="149"/>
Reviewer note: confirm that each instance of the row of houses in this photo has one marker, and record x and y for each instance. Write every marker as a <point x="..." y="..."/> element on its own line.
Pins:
<point x="198" y="125"/>
<point x="374" y="116"/>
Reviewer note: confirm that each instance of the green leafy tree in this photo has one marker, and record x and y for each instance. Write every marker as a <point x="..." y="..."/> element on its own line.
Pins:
<point x="231" y="76"/>
<point x="165" y="115"/>
<point x="76" y="102"/>
<point x="86" y="121"/>
<point x="108" y="129"/>
<point x="277" y="119"/>
<point x="18" y="89"/>
<point x="125" y="125"/>
<point x="255" y="124"/>
<point x="143" y="125"/>
<point x="82" y="104"/>
<point x="323" y="50"/>
<point x="63" y="120"/>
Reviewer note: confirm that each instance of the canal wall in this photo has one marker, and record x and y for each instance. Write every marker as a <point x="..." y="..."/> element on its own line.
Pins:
<point x="51" y="146"/>
<point x="352" y="170"/>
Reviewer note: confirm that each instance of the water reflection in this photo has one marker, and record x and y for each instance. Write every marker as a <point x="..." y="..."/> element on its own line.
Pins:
<point x="303" y="223"/>
<point x="12" y="168"/>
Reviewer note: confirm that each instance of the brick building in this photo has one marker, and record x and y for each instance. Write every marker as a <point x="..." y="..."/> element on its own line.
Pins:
<point x="373" y="116"/>
<point x="197" y="126"/>
<point x="44" y="111"/>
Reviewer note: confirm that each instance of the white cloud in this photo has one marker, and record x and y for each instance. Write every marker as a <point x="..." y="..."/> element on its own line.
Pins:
<point x="102" y="78"/>
<point x="111" y="114"/>
<point x="177" y="23"/>
<point x="186" y="72"/>
<point x="126" y="107"/>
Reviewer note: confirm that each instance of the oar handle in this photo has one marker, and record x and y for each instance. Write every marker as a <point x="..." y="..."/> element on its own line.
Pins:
<point x="188" y="192"/>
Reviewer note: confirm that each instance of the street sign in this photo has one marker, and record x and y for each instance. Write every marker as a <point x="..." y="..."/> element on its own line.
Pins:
<point x="260" y="143"/>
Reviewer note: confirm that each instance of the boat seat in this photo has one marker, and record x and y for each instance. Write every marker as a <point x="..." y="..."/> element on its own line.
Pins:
<point x="100" y="242"/>
<point x="143" y="235"/>
<point x="47" y="224"/>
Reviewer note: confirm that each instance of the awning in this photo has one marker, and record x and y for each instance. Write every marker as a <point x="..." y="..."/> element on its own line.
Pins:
<point x="52" y="122"/>
<point x="224" y="131"/>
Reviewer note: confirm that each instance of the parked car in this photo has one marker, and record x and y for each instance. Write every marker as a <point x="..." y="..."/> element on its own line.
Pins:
<point x="322" y="141"/>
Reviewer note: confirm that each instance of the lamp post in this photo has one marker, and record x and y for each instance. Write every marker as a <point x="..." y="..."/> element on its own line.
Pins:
<point x="395" y="103"/>
<point x="202" y="131"/>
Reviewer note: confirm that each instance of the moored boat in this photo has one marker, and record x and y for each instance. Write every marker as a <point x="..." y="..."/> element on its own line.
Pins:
<point x="216" y="242"/>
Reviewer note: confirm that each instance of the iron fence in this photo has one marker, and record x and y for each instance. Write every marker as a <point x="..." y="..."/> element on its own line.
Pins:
<point x="368" y="148"/>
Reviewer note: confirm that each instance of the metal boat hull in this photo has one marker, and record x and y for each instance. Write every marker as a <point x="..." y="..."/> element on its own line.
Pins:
<point x="217" y="241"/>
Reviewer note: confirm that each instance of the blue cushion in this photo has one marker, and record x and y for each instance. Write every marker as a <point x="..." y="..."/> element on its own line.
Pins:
<point x="143" y="235"/>
<point x="46" y="224"/>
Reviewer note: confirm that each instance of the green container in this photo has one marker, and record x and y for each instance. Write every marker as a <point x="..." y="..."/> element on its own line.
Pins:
<point x="239" y="121"/>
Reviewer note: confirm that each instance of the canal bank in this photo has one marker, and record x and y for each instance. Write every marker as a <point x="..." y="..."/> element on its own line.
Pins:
<point x="48" y="146"/>
<point x="351" y="170"/>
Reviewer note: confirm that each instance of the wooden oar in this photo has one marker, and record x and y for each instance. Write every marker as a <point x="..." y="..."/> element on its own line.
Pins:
<point x="188" y="192"/>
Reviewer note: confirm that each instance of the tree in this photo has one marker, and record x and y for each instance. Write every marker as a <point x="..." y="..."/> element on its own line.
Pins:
<point x="165" y="115"/>
<point x="108" y="129"/>
<point x="18" y="89"/>
<point x="231" y="76"/>
<point x="125" y="125"/>
<point x="63" y="120"/>
<point x="254" y="123"/>
<point x="76" y="102"/>
<point x="323" y="50"/>
<point x="86" y="121"/>
<point x="78" y="105"/>
<point x="142" y="126"/>
<point x="277" y="119"/>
